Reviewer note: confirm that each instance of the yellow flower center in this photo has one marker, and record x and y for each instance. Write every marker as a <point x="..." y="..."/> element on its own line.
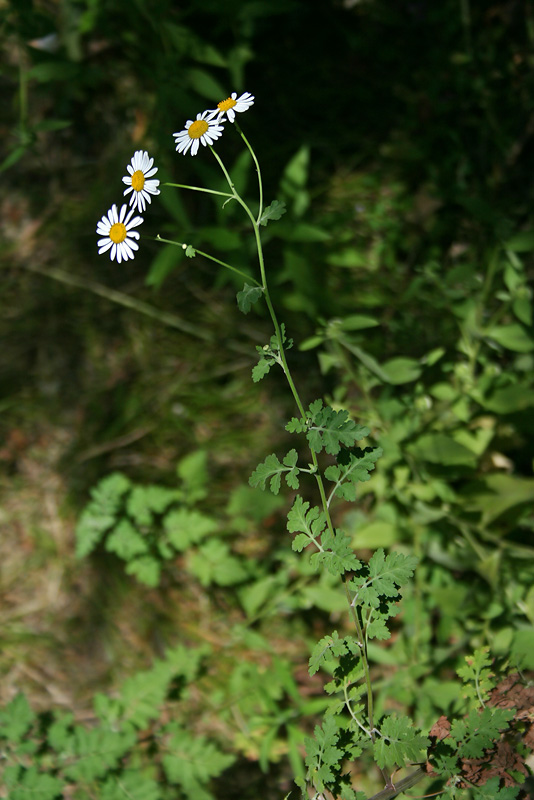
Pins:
<point x="224" y="105"/>
<point x="117" y="233"/>
<point x="138" y="180"/>
<point x="198" y="129"/>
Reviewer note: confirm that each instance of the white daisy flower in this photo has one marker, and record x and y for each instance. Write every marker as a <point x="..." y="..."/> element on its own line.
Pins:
<point x="204" y="129"/>
<point x="233" y="104"/>
<point x="140" y="168"/>
<point x="116" y="230"/>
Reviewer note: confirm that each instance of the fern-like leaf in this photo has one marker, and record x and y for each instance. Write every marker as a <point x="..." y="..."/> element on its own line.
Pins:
<point x="351" y="470"/>
<point x="271" y="470"/>
<point x="399" y="743"/>
<point x="328" y="429"/>
<point x="383" y="578"/>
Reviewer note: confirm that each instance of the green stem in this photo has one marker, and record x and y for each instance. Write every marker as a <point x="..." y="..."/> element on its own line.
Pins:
<point x="351" y="712"/>
<point x="197" y="189"/>
<point x="159" y="238"/>
<point x="318" y="477"/>
<point x="257" y="165"/>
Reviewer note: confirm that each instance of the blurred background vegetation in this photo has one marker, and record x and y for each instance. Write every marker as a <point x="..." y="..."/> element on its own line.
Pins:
<point x="401" y="136"/>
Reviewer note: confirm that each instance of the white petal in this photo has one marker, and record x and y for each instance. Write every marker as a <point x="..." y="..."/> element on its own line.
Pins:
<point x="107" y="243"/>
<point x="134" y="223"/>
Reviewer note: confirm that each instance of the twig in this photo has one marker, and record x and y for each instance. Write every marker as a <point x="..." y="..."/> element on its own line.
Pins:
<point x="402" y="786"/>
<point x="122" y="299"/>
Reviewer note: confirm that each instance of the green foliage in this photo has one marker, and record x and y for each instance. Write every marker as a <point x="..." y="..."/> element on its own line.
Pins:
<point x="436" y="252"/>
<point x="310" y="524"/>
<point x="479" y="730"/>
<point x="328" y="429"/>
<point x="398" y="742"/>
<point x="16" y="718"/>
<point x="492" y="791"/>
<point x="270" y="354"/>
<point x="325" y="755"/>
<point x="477" y="677"/>
<point x="473" y="737"/>
<point x="274" y="211"/>
<point x="109" y="753"/>
<point x="214" y="563"/>
<point x="192" y="762"/>
<point x="382" y="577"/>
<point x="22" y="783"/>
<point x="351" y="469"/>
<point x="248" y="296"/>
<point x="147" y="526"/>
<point x="328" y="648"/>
<point x="272" y="470"/>
<point x="101" y="513"/>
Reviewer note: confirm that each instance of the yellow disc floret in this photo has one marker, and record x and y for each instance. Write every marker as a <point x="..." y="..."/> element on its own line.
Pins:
<point x="198" y="129"/>
<point x="138" y="180"/>
<point x="224" y="105"/>
<point x="117" y="233"/>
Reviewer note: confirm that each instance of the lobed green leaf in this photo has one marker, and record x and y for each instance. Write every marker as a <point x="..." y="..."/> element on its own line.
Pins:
<point x="328" y="647"/>
<point x="271" y="470"/>
<point x="398" y="743"/>
<point x="273" y="212"/>
<point x="383" y="577"/>
<point x="327" y="429"/>
<point x="350" y="470"/>
<point x="248" y="296"/>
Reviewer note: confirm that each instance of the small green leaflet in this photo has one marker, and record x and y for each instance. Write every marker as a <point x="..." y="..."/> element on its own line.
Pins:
<point x="385" y="575"/>
<point x="16" y="719"/>
<point x="262" y="368"/>
<point x="322" y="753"/>
<point x="377" y="629"/>
<point x="492" y="791"/>
<point x="311" y="522"/>
<point x="101" y="513"/>
<point x="146" y="569"/>
<point x="335" y="551"/>
<point x="213" y="562"/>
<point x="346" y="474"/>
<point x="328" y="429"/>
<point x="270" y="354"/>
<point x="399" y="743"/>
<point x="248" y="296"/>
<point x="190" y="251"/>
<point x="272" y="470"/>
<point x="336" y="554"/>
<point x="126" y="541"/>
<point x="274" y="211"/>
<point x="477" y="677"/>
<point x="190" y="761"/>
<point x="479" y="730"/>
<point x="32" y="783"/>
<point x="328" y="647"/>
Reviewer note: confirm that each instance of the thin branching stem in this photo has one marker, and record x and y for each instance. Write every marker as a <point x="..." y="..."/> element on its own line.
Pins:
<point x="184" y="246"/>
<point x="318" y="477"/>
<point x="197" y="189"/>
